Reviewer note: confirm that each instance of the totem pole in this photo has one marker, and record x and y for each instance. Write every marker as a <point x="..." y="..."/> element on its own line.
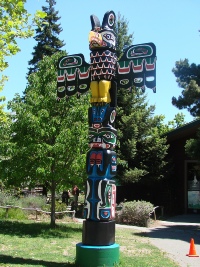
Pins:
<point x="102" y="76"/>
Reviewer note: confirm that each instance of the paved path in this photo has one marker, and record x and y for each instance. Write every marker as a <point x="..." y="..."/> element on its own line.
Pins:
<point x="174" y="236"/>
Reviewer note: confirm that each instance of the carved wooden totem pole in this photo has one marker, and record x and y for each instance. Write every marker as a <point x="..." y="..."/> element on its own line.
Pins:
<point x="102" y="76"/>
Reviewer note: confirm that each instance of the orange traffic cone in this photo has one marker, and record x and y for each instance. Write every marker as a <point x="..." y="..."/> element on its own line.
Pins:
<point x="192" y="251"/>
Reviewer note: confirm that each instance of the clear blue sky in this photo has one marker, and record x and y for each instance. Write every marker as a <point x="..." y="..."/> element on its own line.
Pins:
<point x="172" y="25"/>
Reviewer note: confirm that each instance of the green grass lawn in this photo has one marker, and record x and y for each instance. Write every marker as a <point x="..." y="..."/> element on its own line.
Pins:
<point x="28" y="243"/>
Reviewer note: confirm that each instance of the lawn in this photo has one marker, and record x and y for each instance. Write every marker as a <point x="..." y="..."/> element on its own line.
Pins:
<point x="30" y="243"/>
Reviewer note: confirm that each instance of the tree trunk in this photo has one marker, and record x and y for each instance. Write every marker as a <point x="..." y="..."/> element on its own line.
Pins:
<point x="53" y="208"/>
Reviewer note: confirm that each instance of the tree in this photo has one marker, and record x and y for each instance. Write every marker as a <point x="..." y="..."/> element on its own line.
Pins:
<point x="188" y="78"/>
<point x="123" y="38"/>
<point x="49" y="139"/>
<point x="141" y="150"/>
<point x="192" y="147"/>
<point x="47" y="39"/>
<point x="14" y="23"/>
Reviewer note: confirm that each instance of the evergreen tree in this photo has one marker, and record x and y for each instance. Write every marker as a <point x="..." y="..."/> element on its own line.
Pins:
<point x="188" y="78"/>
<point x="141" y="150"/>
<point x="47" y="39"/>
<point x="123" y="38"/>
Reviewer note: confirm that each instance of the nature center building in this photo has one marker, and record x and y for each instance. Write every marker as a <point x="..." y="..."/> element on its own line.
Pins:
<point x="179" y="191"/>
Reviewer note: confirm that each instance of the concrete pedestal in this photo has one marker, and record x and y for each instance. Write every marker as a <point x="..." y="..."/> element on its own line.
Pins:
<point x="96" y="256"/>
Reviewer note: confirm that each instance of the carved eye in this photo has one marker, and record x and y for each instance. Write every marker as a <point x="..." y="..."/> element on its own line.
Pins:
<point x="107" y="135"/>
<point x="108" y="36"/>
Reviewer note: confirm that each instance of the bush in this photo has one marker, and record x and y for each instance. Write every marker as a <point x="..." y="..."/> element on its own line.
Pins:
<point x="13" y="213"/>
<point x="7" y="199"/>
<point x="59" y="207"/>
<point x="36" y="202"/>
<point x="134" y="212"/>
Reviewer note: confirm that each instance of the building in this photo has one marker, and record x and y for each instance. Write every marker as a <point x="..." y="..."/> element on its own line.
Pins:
<point x="186" y="172"/>
<point x="179" y="192"/>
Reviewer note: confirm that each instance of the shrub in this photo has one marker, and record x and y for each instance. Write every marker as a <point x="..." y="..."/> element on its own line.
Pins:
<point x="134" y="212"/>
<point x="59" y="207"/>
<point x="36" y="202"/>
<point x="13" y="213"/>
<point x="17" y="214"/>
<point x="7" y="199"/>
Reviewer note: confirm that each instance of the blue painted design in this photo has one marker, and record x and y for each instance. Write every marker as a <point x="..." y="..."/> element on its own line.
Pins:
<point x="98" y="113"/>
<point x="101" y="163"/>
<point x="105" y="213"/>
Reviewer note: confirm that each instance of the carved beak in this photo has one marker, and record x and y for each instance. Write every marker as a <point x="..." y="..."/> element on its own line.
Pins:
<point x="95" y="39"/>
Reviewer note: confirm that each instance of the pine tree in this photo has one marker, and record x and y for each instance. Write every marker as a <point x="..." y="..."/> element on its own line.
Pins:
<point x="141" y="150"/>
<point x="123" y="38"/>
<point x="47" y="37"/>
<point x="188" y="78"/>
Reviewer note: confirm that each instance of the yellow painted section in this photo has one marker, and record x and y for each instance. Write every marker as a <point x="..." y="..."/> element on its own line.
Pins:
<point x="100" y="91"/>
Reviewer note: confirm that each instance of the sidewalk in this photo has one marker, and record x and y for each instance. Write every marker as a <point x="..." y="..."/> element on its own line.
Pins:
<point x="174" y="235"/>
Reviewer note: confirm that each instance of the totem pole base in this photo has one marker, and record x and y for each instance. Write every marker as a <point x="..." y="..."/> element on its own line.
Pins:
<point x="98" y="233"/>
<point x="96" y="256"/>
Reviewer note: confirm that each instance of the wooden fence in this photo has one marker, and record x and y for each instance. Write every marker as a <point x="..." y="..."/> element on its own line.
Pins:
<point x="37" y="211"/>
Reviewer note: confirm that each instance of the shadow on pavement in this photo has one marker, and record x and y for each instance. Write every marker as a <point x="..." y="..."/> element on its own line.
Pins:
<point x="182" y="227"/>
<point x="185" y="218"/>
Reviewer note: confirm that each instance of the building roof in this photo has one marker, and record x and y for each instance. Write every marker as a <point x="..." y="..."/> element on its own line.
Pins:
<point x="184" y="131"/>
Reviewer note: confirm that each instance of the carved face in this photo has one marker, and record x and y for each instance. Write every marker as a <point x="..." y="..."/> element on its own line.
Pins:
<point x="103" y="37"/>
<point x="104" y="137"/>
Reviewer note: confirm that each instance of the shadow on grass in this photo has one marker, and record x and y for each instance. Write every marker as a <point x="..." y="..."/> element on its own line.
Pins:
<point x="24" y="229"/>
<point x="17" y="260"/>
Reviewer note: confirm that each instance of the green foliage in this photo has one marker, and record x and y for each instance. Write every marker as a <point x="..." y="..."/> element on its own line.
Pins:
<point x="23" y="202"/>
<point x="36" y="202"/>
<point x="50" y="140"/>
<point x="59" y="207"/>
<point x="15" y="22"/>
<point x="7" y="199"/>
<point x="141" y="147"/>
<point x="13" y="214"/>
<point x="123" y="38"/>
<point x="192" y="147"/>
<point x="188" y="78"/>
<point x="134" y="212"/>
<point x="46" y="37"/>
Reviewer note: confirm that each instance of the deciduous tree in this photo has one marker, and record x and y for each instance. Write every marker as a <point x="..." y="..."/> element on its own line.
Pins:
<point x="49" y="139"/>
<point x="15" y="23"/>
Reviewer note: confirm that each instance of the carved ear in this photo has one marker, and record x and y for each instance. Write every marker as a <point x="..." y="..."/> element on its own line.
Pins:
<point x="95" y="22"/>
<point x="109" y="20"/>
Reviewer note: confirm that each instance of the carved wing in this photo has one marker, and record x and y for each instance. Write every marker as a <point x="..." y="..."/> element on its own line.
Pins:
<point x="137" y="67"/>
<point x="73" y="76"/>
